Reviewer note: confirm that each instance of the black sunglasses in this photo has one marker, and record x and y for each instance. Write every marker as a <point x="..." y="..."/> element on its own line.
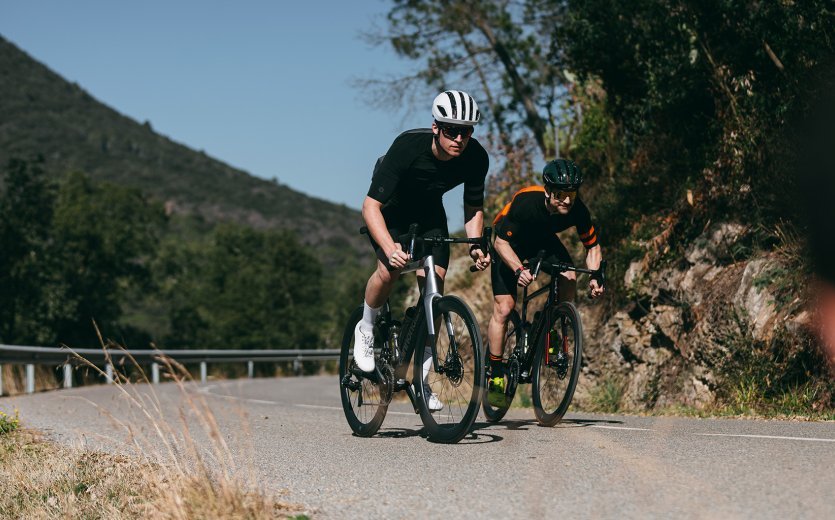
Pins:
<point x="451" y="132"/>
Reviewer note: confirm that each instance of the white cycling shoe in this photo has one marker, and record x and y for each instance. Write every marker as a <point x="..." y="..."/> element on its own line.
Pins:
<point x="433" y="403"/>
<point x="364" y="347"/>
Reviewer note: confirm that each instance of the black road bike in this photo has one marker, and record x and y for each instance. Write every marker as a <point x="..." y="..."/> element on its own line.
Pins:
<point x="456" y="374"/>
<point x="547" y="352"/>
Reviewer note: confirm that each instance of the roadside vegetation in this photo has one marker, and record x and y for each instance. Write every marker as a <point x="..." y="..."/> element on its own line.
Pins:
<point x="42" y="479"/>
<point x="681" y="114"/>
<point x="163" y="471"/>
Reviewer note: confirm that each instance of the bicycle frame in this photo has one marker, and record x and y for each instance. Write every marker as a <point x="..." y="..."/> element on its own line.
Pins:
<point x="431" y="291"/>
<point x="553" y="297"/>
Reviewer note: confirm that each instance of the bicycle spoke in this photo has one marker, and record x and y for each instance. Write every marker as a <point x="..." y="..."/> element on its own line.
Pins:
<point x="557" y="364"/>
<point x="361" y="398"/>
<point x="457" y="381"/>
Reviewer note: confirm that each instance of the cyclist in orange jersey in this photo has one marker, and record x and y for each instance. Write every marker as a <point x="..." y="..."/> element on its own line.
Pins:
<point x="529" y="223"/>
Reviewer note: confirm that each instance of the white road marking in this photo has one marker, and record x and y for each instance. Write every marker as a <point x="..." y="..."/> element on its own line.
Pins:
<point x="208" y="390"/>
<point x="808" y="439"/>
<point x="340" y="409"/>
<point x="621" y="428"/>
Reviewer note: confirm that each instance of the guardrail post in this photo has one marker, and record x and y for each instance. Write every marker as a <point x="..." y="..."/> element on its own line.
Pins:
<point x="155" y="373"/>
<point x="30" y="379"/>
<point x="67" y="375"/>
<point x="250" y="370"/>
<point x="297" y="365"/>
<point x="1" y="380"/>
<point x="202" y="371"/>
<point x="108" y="373"/>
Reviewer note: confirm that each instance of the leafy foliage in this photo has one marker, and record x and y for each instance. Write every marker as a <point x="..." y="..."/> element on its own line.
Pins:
<point x="155" y="242"/>
<point x="242" y="289"/>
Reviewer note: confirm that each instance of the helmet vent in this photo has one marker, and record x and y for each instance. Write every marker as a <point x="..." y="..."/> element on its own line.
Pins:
<point x="453" y="104"/>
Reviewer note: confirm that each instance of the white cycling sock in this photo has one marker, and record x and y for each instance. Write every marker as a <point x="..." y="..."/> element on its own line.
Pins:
<point x="427" y="364"/>
<point x="369" y="315"/>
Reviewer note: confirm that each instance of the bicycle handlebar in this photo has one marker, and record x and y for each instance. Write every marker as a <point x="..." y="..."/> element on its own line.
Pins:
<point x="598" y="274"/>
<point x="411" y="238"/>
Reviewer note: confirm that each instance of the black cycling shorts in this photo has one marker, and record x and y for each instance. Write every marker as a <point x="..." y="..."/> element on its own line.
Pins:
<point x="504" y="279"/>
<point x="440" y="252"/>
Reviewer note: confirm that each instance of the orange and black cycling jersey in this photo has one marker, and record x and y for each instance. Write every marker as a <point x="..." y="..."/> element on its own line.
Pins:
<point x="528" y="226"/>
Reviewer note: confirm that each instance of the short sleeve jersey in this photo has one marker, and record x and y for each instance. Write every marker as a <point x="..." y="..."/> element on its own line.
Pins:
<point x="410" y="181"/>
<point x="528" y="226"/>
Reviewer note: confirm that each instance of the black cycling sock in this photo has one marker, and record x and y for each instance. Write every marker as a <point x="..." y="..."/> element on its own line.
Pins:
<point x="496" y="366"/>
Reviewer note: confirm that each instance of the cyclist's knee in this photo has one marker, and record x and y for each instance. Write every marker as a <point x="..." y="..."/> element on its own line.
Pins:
<point x="568" y="288"/>
<point x="385" y="275"/>
<point x="502" y="307"/>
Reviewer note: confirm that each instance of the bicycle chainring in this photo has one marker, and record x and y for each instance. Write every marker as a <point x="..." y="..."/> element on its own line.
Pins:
<point x="387" y="384"/>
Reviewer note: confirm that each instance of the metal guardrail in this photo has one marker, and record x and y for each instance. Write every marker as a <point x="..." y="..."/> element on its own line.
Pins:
<point x="31" y="356"/>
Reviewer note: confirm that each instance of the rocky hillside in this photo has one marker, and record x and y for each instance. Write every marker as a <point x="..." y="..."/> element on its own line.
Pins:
<point x="698" y="332"/>
<point x="43" y="114"/>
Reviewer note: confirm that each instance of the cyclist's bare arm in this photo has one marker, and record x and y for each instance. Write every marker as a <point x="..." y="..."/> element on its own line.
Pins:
<point x="373" y="216"/>
<point x="593" y="258"/>
<point x="511" y="259"/>
<point x="473" y="226"/>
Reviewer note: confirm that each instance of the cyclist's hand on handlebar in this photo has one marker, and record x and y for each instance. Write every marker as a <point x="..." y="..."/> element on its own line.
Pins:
<point x="595" y="289"/>
<point x="525" y="278"/>
<point x="398" y="258"/>
<point x="481" y="260"/>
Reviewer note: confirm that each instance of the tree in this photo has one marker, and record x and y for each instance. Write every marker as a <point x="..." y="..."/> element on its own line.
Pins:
<point x="26" y="205"/>
<point x="497" y="49"/>
<point x="243" y="289"/>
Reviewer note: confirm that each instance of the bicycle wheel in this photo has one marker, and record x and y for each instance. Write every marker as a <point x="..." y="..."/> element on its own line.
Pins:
<point x="554" y="375"/>
<point x="514" y="331"/>
<point x="459" y="383"/>
<point x="361" y="398"/>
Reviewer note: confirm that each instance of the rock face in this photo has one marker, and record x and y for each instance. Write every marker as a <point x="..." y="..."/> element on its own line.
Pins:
<point x="666" y="346"/>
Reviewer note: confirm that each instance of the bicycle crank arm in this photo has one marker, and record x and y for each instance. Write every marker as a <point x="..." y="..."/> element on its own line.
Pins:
<point x="349" y="384"/>
<point x="410" y="391"/>
<point x="374" y="377"/>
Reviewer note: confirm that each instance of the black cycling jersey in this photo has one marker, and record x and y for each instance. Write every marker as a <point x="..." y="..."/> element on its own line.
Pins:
<point x="528" y="226"/>
<point x="410" y="181"/>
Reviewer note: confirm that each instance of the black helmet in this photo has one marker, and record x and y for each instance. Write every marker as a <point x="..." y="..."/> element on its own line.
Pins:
<point x="563" y="174"/>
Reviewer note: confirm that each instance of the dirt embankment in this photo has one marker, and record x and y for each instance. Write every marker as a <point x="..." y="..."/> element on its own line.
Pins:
<point x="686" y="321"/>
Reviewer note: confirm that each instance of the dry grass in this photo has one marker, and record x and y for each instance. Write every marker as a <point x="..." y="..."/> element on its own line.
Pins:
<point x="39" y="479"/>
<point x="179" y="467"/>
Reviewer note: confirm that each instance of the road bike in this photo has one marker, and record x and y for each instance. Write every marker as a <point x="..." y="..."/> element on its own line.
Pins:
<point x="546" y="352"/>
<point x="455" y="374"/>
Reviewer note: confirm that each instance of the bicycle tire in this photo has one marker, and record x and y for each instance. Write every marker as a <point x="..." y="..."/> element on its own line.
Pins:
<point x="366" y="416"/>
<point x="551" y="392"/>
<point x="459" y="388"/>
<point x="514" y="330"/>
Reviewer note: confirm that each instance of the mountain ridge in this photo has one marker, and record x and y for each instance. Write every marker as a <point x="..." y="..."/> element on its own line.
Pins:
<point x="41" y="113"/>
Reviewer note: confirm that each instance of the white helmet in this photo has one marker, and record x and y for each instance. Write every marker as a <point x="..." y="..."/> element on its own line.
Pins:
<point x="455" y="107"/>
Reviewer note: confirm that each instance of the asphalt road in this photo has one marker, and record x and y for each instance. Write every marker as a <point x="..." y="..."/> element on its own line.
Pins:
<point x="290" y="436"/>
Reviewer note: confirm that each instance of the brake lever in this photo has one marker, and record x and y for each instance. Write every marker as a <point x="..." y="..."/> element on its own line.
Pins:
<point x="539" y="258"/>
<point x="485" y="245"/>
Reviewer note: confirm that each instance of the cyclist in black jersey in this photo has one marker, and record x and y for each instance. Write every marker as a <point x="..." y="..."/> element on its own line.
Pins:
<point x="529" y="223"/>
<point x="407" y="187"/>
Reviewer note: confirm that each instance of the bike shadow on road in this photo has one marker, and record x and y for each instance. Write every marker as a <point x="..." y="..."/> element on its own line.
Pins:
<point x="523" y="424"/>
<point x="404" y="433"/>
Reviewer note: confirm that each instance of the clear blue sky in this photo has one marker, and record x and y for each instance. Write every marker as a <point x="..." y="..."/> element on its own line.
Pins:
<point x="261" y="85"/>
